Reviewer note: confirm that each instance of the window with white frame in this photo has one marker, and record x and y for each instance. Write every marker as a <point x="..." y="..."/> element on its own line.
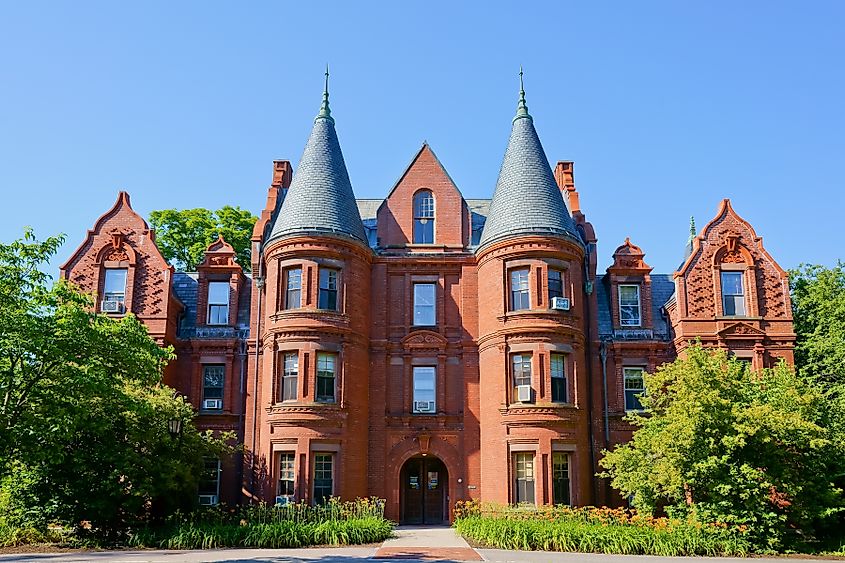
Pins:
<point x="558" y="373"/>
<point x="323" y="477"/>
<point x="326" y="375"/>
<point x="218" y="303"/>
<point x="293" y="288"/>
<point x="629" y="305"/>
<point x="114" y="285"/>
<point x="560" y="478"/>
<point x="209" y="485"/>
<point x="733" y="294"/>
<point x="424" y="389"/>
<point x="424" y="217"/>
<point x="634" y="387"/>
<point x="555" y="284"/>
<point x="524" y="477"/>
<point x="290" y="376"/>
<point x="327" y="298"/>
<point x="521" y="370"/>
<point x="424" y="303"/>
<point x="519" y="290"/>
<point x="286" y="474"/>
<point x="212" y="387"/>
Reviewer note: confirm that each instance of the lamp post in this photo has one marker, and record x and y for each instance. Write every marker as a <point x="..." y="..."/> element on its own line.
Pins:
<point x="174" y="426"/>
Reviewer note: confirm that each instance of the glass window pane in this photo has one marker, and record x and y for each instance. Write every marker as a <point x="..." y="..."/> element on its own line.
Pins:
<point x="634" y="387"/>
<point x="115" y="282"/>
<point x="424" y="303"/>
<point x="732" y="283"/>
<point x="424" y="388"/>
<point x="218" y="293"/>
<point x="555" y="284"/>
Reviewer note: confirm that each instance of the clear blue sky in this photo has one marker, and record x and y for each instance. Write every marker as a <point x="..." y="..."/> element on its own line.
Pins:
<point x="665" y="107"/>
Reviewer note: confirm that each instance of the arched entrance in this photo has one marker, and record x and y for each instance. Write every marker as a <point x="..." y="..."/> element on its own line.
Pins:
<point x="424" y="490"/>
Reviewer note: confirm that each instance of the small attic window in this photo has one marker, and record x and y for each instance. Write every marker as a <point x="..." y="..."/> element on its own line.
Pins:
<point x="424" y="217"/>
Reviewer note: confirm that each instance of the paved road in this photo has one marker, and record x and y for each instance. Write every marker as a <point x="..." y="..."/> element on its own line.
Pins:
<point x="417" y="543"/>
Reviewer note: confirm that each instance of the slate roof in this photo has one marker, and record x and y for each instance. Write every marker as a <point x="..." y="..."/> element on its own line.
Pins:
<point x="320" y="199"/>
<point x="527" y="199"/>
<point x="662" y="290"/>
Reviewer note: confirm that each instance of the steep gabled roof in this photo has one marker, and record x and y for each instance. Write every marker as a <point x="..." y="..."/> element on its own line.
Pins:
<point x="320" y="199"/>
<point x="527" y="200"/>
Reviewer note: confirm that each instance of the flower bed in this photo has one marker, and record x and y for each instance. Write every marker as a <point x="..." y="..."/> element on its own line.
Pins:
<point x="594" y="530"/>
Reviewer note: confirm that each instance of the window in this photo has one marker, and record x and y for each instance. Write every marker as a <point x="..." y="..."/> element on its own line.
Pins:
<point x="555" y="284"/>
<point x="524" y="471"/>
<point x="424" y="217"/>
<point x="634" y="387"/>
<point x="519" y="290"/>
<point x="323" y="477"/>
<point x="209" y="486"/>
<point x="212" y="387"/>
<point x="114" y="287"/>
<point x="293" y="288"/>
<point x="218" y="303"/>
<point x="424" y="300"/>
<point x="326" y="366"/>
<point x="286" y="474"/>
<point x="290" y="376"/>
<point x="521" y="367"/>
<point x="558" y="378"/>
<point x="733" y="295"/>
<point x="560" y="478"/>
<point x="328" y="290"/>
<point x="629" y="305"/>
<point x="424" y="386"/>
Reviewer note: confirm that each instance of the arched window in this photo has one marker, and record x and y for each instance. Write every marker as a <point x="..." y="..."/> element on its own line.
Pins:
<point x="424" y="217"/>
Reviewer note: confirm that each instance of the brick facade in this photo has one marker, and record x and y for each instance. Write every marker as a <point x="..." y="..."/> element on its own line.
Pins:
<point x="319" y="384"/>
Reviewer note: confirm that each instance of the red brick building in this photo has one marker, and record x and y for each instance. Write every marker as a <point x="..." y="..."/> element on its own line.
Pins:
<point x="426" y="348"/>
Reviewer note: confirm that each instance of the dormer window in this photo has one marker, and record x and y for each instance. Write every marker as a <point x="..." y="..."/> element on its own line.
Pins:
<point x="733" y="294"/>
<point x="424" y="217"/>
<point x="629" y="305"/>
<point x="114" y="287"/>
<point x="218" y="303"/>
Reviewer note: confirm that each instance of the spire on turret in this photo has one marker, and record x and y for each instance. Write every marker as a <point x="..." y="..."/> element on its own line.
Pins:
<point x="320" y="199"/>
<point x="522" y="107"/>
<point x="325" y="112"/>
<point x="527" y="200"/>
<point x="692" y="231"/>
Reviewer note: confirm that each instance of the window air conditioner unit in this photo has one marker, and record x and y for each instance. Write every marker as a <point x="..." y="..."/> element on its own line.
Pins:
<point x="111" y="306"/>
<point x="212" y="404"/>
<point x="523" y="393"/>
<point x="560" y="303"/>
<point x="283" y="500"/>
<point x="208" y="500"/>
<point x="423" y="406"/>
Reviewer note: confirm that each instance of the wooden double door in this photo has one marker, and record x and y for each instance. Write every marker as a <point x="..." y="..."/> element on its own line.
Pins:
<point x="424" y="491"/>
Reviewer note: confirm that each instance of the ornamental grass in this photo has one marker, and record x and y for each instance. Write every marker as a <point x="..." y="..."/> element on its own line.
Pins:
<point x="296" y="525"/>
<point x="594" y="530"/>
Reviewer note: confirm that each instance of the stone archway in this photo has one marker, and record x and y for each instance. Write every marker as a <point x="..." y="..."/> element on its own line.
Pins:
<point x="424" y="491"/>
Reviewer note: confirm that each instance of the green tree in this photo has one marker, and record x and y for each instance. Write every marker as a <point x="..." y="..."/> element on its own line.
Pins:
<point x="83" y="414"/>
<point x="724" y="445"/>
<point x="818" y="307"/>
<point x="183" y="235"/>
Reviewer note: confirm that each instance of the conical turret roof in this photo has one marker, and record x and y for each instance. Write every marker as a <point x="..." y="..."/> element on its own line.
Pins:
<point x="320" y="199"/>
<point x="527" y="200"/>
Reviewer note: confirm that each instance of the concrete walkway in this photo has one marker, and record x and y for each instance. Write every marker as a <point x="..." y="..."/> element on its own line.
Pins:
<point x="427" y="543"/>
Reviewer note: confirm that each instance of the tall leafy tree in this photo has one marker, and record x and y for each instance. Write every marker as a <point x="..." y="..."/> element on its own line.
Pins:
<point x="83" y="413"/>
<point x="818" y="306"/>
<point x="748" y="449"/>
<point x="183" y="235"/>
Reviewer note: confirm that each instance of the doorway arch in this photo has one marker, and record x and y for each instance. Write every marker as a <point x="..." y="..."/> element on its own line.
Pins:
<point x="424" y="491"/>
